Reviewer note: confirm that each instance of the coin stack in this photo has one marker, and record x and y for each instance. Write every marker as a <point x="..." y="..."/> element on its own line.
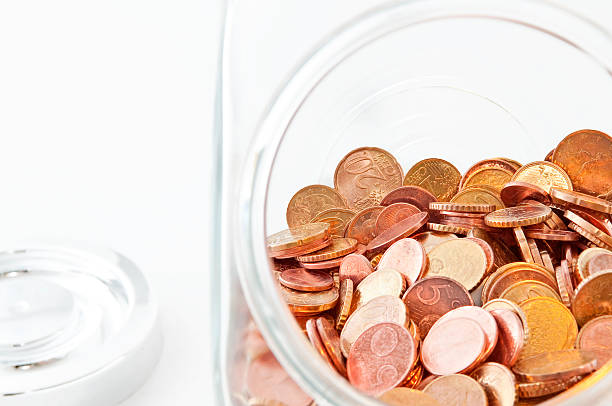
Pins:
<point x="492" y="287"/>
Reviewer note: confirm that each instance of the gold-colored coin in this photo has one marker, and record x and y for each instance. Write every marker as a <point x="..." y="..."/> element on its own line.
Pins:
<point x="555" y="365"/>
<point x="521" y="291"/>
<point x="479" y="195"/>
<point x="518" y="216"/>
<point x="343" y="307"/>
<point x="298" y="236"/>
<point x="438" y="176"/>
<point x="462" y="260"/>
<point x="431" y="239"/>
<point x="310" y="201"/>
<point x="593" y="297"/>
<point x="406" y="396"/>
<point x="381" y="309"/>
<point x="415" y="377"/>
<point x="462" y="207"/>
<point x="375" y="260"/>
<point x="551" y="325"/>
<point x="511" y="273"/>
<point x="448" y="228"/>
<point x="380" y="283"/>
<point x="532" y="390"/>
<point x="543" y="174"/>
<point x="309" y="302"/>
<point x="493" y="177"/>
<point x="498" y="382"/>
<point x="338" y="219"/>
<point x="515" y="164"/>
<point x="339" y="247"/>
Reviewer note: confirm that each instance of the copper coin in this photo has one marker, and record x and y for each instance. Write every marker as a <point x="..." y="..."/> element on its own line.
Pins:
<point x="394" y="213"/>
<point x="488" y="163"/>
<point x="554" y="235"/>
<point x="511" y="274"/>
<point x="523" y="245"/>
<point x="309" y="302"/>
<point x="381" y="309"/>
<point x="426" y="381"/>
<point x="498" y="383"/>
<point x="365" y="175"/>
<point x="453" y="346"/>
<point x="400" y="230"/>
<point x="381" y="358"/>
<point x="599" y="262"/>
<point x="430" y="298"/>
<point x="462" y="260"/>
<point x="265" y="402"/>
<point x="593" y="240"/>
<point x="518" y="216"/>
<point x="355" y="267"/>
<point x="555" y="365"/>
<point x="414" y="195"/>
<point x="310" y="201"/>
<point x="282" y="264"/>
<point x="585" y="257"/>
<point x="564" y="283"/>
<point x="406" y="396"/>
<point x="447" y="228"/>
<point x="484" y="319"/>
<point x="462" y="207"/>
<point x="563" y="197"/>
<point x="343" y="306"/>
<point x="463" y="222"/>
<point x="503" y="304"/>
<point x="331" y="341"/>
<point x="600" y="220"/>
<point x="479" y="195"/>
<point x="317" y="343"/>
<point x="533" y="390"/>
<point x="406" y="256"/>
<point x="502" y="255"/>
<point x="593" y="297"/>
<point x="307" y="281"/>
<point x="521" y="291"/>
<point x="546" y="258"/>
<point x="492" y="177"/>
<point x="338" y="247"/>
<point x="302" y="250"/>
<point x="454" y="214"/>
<point x="511" y="337"/>
<point x="584" y="224"/>
<point x="338" y="219"/>
<point x="486" y="248"/>
<point x="363" y="226"/>
<point x="535" y="251"/>
<point x="586" y="156"/>
<point x="379" y="283"/>
<point x="514" y="193"/>
<point x="545" y="175"/>
<point x="328" y="265"/>
<point x="267" y="379"/>
<point x="457" y="390"/>
<point x="596" y="337"/>
<point x="437" y="176"/>
<point x="431" y="239"/>
<point x="298" y="237"/>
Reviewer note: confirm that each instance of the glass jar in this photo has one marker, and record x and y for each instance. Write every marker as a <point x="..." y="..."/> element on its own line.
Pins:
<point x="460" y="80"/>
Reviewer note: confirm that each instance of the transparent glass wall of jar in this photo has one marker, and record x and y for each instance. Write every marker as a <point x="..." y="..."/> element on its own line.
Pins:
<point x="459" y="80"/>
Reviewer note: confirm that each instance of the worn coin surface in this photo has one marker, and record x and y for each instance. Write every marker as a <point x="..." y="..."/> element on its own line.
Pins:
<point x="355" y="267"/>
<point x="498" y="383"/>
<point x="457" y="390"/>
<point x="406" y="396"/>
<point x="430" y="298"/>
<point x="394" y="213"/>
<point x="381" y="358"/>
<point x="338" y="219"/>
<point x="379" y="283"/>
<point x="493" y="177"/>
<point x="381" y="309"/>
<point x="453" y="346"/>
<point x="521" y="291"/>
<point x="593" y="297"/>
<point x="310" y="201"/>
<point x="462" y="260"/>
<point x="407" y="256"/>
<point x="431" y="239"/>
<point x="543" y="174"/>
<point x="551" y="326"/>
<point x="438" y="176"/>
<point x="596" y="337"/>
<point x="365" y="175"/>
<point x="363" y="226"/>
<point x="502" y="163"/>
<point x="586" y="156"/>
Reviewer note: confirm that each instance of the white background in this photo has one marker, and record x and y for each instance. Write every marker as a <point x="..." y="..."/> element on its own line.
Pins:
<point x="106" y="123"/>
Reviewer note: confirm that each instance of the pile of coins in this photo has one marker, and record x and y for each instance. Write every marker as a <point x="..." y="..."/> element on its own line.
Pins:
<point x="489" y="288"/>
